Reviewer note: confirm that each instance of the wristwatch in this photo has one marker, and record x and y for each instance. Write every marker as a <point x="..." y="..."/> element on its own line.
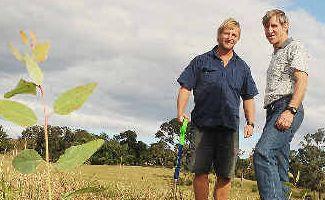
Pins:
<point x="250" y="123"/>
<point x="293" y="110"/>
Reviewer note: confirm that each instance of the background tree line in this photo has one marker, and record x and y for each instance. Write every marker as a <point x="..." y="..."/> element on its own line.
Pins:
<point x="125" y="149"/>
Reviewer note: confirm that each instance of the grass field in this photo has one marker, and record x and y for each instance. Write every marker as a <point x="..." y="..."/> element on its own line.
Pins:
<point x="109" y="182"/>
<point x="132" y="182"/>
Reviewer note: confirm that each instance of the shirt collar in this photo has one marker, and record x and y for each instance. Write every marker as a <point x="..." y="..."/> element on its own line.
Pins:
<point x="285" y="43"/>
<point x="213" y="52"/>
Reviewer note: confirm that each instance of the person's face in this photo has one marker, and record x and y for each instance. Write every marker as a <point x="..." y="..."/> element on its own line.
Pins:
<point x="228" y="38"/>
<point x="275" y="33"/>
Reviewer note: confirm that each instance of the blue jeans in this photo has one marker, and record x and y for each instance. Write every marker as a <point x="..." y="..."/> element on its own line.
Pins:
<point x="271" y="155"/>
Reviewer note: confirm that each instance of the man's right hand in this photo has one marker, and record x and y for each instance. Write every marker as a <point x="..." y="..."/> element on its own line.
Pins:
<point x="180" y="117"/>
<point x="183" y="95"/>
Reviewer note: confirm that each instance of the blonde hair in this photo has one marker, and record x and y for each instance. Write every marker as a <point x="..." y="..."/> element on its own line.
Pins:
<point x="229" y="23"/>
<point x="280" y="16"/>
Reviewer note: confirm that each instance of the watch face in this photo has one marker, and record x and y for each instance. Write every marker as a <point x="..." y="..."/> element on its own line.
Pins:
<point x="292" y="110"/>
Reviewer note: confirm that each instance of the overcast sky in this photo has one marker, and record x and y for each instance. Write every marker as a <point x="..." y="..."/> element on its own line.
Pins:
<point x="135" y="50"/>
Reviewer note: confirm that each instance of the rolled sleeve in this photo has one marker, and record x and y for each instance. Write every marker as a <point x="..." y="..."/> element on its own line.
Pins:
<point x="299" y="57"/>
<point x="249" y="89"/>
<point x="187" y="78"/>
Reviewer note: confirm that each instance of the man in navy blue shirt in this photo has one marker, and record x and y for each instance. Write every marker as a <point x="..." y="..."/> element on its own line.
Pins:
<point x="218" y="78"/>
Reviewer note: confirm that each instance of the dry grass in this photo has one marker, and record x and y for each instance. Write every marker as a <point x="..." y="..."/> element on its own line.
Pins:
<point x="119" y="183"/>
<point x="14" y="185"/>
<point x="132" y="182"/>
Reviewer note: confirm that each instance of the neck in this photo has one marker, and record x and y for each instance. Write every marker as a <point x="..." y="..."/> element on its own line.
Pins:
<point x="280" y="43"/>
<point x="222" y="52"/>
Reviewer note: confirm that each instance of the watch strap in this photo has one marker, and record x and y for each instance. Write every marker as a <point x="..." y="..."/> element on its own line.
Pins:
<point x="250" y="124"/>
<point x="292" y="109"/>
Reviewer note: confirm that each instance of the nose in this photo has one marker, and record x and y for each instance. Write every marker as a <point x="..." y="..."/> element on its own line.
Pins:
<point x="231" y="36"/>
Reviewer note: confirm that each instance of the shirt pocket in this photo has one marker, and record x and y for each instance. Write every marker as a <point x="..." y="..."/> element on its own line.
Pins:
<point x="209" y="75"/>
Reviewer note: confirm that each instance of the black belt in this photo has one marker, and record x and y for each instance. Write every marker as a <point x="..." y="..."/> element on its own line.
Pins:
<point x="272" y="105"/>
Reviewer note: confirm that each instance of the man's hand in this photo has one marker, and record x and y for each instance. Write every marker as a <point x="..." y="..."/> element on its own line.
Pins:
<point x="284" y="121"/>
<point x="249" y="110"/>
<point x="180" y="117"/>
<point x="248" y="131"/>
<point x="182" y="99"/>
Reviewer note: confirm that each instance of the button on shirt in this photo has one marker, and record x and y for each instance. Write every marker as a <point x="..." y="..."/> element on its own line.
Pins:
<point x="217" y="89"/>
<point x="280" y="79"/>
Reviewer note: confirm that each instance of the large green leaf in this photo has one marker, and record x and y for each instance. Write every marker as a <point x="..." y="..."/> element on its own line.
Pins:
<point x="77" y="155"/>
<point x="17" y="113"/>
<point x="27" y="161"/>
<point x="73" y="99"/>
<point x="33" y="69"/>
<point x="23" y="87"/>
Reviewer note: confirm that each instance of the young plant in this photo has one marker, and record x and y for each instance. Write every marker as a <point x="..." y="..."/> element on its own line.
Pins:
<point x="20" y="114"/>
<point x="293" y="185"/>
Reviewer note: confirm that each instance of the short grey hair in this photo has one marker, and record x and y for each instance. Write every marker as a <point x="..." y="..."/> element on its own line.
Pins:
<point x="280" y="16"/>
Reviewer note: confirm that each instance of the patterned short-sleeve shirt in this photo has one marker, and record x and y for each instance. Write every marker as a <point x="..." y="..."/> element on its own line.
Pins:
<point x="280" y="79"/>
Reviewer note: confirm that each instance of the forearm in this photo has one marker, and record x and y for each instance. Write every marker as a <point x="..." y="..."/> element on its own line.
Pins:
<point x="183" y="96"/>
<point x="299" y="89"/>
<point x="249" y="110"/>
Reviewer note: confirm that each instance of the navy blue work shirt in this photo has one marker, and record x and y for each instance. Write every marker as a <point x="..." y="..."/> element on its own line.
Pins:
<point x="217" y="89"/>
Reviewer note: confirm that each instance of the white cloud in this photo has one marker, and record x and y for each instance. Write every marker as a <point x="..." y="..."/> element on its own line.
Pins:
<point x="136" y="52"/>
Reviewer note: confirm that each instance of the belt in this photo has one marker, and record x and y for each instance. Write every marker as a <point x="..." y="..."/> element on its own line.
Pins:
<point x="280" y="101"/>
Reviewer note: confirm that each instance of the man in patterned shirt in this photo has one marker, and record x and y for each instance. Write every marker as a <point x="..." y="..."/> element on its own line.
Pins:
<point x="285" y="89"/>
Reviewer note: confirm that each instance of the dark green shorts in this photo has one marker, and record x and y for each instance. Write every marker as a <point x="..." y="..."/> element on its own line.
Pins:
<point x="213" y="147"/>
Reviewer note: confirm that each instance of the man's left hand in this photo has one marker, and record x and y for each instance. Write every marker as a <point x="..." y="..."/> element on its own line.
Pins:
<point x="284" y="121"/>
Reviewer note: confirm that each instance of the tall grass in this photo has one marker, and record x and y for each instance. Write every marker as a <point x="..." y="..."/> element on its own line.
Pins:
<point x="18" y="186"/>
<point x="134" y="182"/>
<point x="112" y="183"/>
